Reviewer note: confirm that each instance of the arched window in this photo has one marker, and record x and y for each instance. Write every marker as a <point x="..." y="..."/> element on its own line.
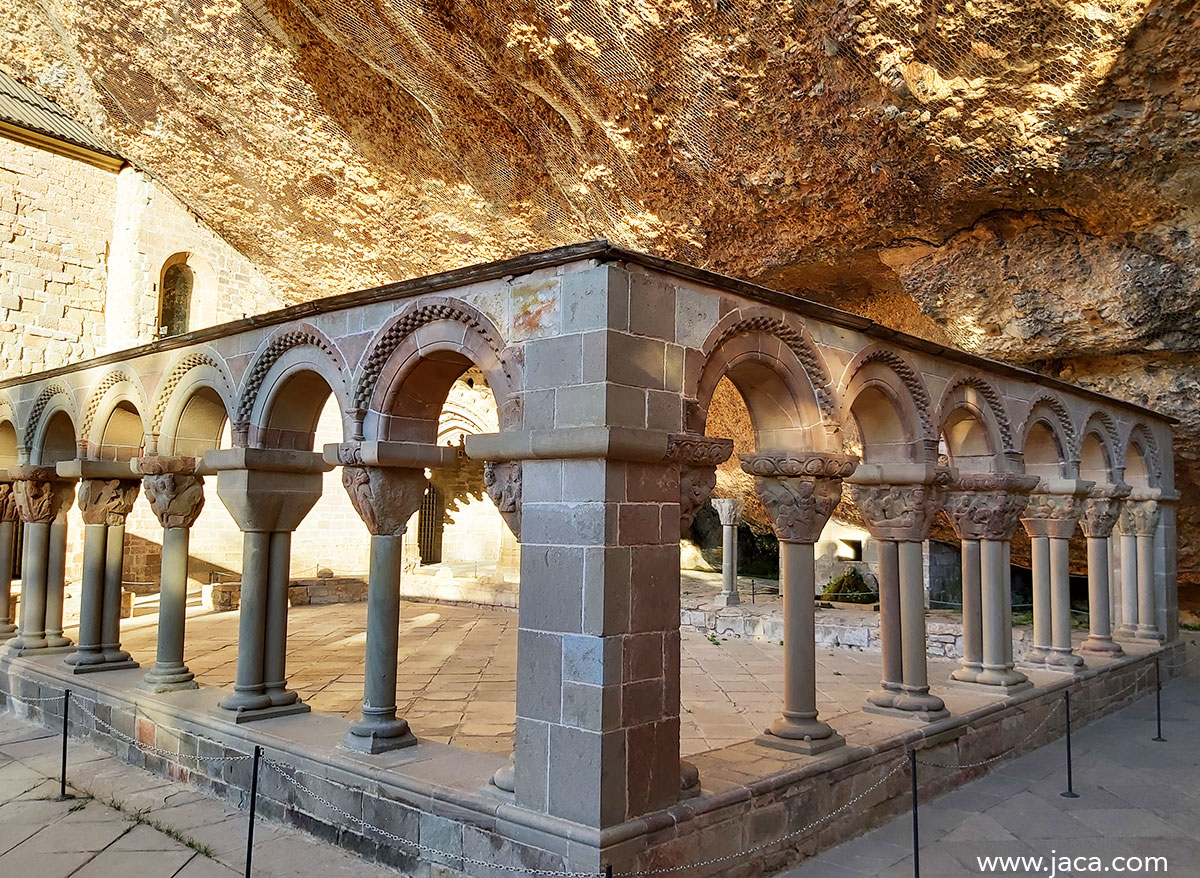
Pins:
<point x="175" y="301"/>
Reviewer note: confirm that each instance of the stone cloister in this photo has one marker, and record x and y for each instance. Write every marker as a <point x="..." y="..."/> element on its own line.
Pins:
<point x="602" y="363"/>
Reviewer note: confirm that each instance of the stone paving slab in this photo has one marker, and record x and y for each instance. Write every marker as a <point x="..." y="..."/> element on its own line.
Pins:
<point x="89" y="838"/>
<point x="1136" y="798"/>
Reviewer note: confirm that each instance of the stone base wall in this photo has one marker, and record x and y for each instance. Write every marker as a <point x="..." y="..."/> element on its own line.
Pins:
<point x="462" y="816"/>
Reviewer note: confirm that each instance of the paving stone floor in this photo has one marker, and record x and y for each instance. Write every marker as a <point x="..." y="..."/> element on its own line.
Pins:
<point x="188" y="834"/>
<point x="457" y="672"/>
<point x="1137" y="798"/>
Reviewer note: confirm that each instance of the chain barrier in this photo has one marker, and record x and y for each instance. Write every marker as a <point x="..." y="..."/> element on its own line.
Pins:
<point x="1049" y="716"/>
<point x="150" y="748"/>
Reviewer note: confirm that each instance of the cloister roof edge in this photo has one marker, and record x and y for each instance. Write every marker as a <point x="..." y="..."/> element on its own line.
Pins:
<point x="599" y="249"/>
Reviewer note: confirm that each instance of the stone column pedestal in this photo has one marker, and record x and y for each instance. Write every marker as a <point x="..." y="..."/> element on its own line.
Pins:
<point x="730" y="513"/>
<point x="1050" y="519"/>
<point x="898" y="502"/>
<point x="175" y="492"/>
<point x="386" y="496"/>
<point x="267" y="492"/>
<point x="800" y="492"/>
<point x="984" y="509"/>
<point x="42" y="500"/>
<point x="107" y="491"/>
<point x="1100" y="511"/>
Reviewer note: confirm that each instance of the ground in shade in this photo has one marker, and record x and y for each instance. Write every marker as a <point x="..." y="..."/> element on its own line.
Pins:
<point x="457" y="671"/>
<point x="159" y="829"/>
<point x="1137" y="798"/>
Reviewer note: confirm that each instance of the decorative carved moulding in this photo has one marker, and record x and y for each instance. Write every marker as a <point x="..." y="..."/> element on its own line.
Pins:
<point x="1055" y="507"/>
<point x="800" y="490"/>
<point x="173" y="488"/>
<point x="1101" y="509"/>
<point x="502" y="480"/>
<point x="41" y="495"/>
<point x="693" y="449"/>
<point x="107" y="501"/>
<point x="1140" y="513"/>
<point x="412" y="455"/>
<point x="988" y="506"/>
<point x="900" y="501"/>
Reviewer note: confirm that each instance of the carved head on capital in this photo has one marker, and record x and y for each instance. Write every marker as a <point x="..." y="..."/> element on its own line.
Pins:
<point x="988" y="506"/>
<point x="900" y="512"/>
<point x="799" y="506"/>
<point x="696" y="484"/>
<point x="39" y="495"/>
<point x="502" y="480"/>
<point x="107" y="501"/>
<point x="385" y="497"/>
<point x="1101" y="509"/>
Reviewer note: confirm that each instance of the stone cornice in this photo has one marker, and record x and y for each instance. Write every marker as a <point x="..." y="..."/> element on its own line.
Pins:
<point x="813" y="464"/>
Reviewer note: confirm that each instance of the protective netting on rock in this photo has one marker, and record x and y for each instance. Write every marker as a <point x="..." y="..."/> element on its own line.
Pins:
<point x="344" y="142"/>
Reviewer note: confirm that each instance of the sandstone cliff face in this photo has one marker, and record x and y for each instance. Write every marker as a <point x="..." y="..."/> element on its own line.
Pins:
<point x="1018" y="177"/>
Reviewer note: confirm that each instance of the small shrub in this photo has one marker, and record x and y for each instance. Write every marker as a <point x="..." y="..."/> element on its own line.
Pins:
<point x="851" y="588"/>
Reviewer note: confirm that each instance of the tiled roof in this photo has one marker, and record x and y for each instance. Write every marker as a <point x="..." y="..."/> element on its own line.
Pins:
<point x="25" y="108"/>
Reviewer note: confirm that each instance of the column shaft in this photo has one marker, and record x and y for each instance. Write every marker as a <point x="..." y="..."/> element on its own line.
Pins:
<point x="912" y="617"/>
<point x="729" y="566"/>
<point x="248" y="689"/>
<point x="1062" y="652"/>
<point x="110" y="613"/>
<point x="56" y="582"/>
<point x="1039" y="548"/>
<point x="997" y="619"/>
<point x="276" y="618"/>
<point x="169" y="672"/>
<point x="1129" y="589"/>
<point x="32" y="633"/>
<point x="889" y="613"/>
<point x="8" y="544"/>
<point x="1099" y="639"/>
<point x="1147" y="616"/>
<point x="972" y="614"/>
<point x="379" y="728"/>
<point x="95" y="544"/>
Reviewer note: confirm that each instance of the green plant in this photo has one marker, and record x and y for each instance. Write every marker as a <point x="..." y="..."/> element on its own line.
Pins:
<point x="712" y="638"/>
<point x="1190" y="626"/>
<point x="851" y="588"/>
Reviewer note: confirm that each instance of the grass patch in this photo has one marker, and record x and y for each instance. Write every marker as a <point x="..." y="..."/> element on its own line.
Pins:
<point x="142" y="817"/>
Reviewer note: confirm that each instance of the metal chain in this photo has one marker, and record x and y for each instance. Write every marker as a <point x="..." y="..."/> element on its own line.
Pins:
<point x="24" y="700"/>
<point x="413" y="845"/>
<point x="150" y="748"/>
<point x="998" y="756"/>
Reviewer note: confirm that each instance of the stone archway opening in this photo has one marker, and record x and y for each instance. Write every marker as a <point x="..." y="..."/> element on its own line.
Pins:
<point x="122" y="437"/>
<point x="58" y="440"/>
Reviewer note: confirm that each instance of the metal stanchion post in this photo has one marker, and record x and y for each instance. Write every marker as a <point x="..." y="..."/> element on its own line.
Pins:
<point x="253" y="801"/>
<point x="912" y="764"/>
<point x="1158" y="701"/>
<point x="63" y="795"/>
<point x="608" y="871"/>
<point x="1070" y="792"/>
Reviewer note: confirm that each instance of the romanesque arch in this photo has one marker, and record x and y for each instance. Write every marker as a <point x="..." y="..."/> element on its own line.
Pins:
<point x="285" y="388"/>
<point x="53" y="399"/>
<point x="1140" y="457"/>
<point x="192" y="404"/>
<point x="1097" y="449"/>
<point x="975" y="426"/>
<point x="1046" y="440"/>
<point x="414" y="359"/>
<point x="106" y="423"/>
<point x="889" y="408"/>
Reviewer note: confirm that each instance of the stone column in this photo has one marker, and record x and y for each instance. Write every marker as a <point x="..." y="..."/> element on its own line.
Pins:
<point x="268" y="492"/>
<point x="175" y="492"/>
<point x="1100" y="511"/>
<point x="503" y="484"/>
<point x="40" y="497"/>
<point x="9" y="517"/>
<point x="385" y="496"/>
<point x="1141" y="514"/>
<point x="1050" y="520"/>
<point x="984" y="509"/>
<point x="107" y="492"/>
<point x="800" y="492"/>
<point x="898" y="502"/>
<point x="729" y="510"/>
<point x="56" y="569"/>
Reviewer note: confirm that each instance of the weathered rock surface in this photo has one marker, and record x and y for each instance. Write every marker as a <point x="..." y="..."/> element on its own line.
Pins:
<point x="1017" y="177"/>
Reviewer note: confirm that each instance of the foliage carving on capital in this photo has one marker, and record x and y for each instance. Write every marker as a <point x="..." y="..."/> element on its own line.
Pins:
<point x="1139" y="517"/>
<point x="1052" y="515"/>
<point x="8" y="503"/>
<point x="40" y="495"/>
<point x="988" y="506"/>
<point x="385" y="497"/>
<point x="174" y="491"/>
<point x="729" y="510"/>
<point x="900" y="512"/>
<point x="107" y="501"/>
<point x="1101" y="509"/>
<point x="799" y="506"/>
<point x="502" y="480"/>
<point x="813" y="464"/>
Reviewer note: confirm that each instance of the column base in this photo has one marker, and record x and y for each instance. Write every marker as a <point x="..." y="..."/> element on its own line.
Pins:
<point x="689" y="780"/>
<point x="7" y="630"/>
<point x="1065" y="660"/>
<point x="1101" y="646"/>
<point x="1126" y="632"/>
<point x="1148" y="632"/>
<point x="378" y="737"/>
<point x="240" y="716"/>
<point x="806" y="746"/>
<point x="19" y="647"/>
<point x="727" y="600"/>
<point x="1034" y="657"/>
<point x="982" y="686"/>
<point x="169" y="679"/>
<point x="909" y="705"/>
<point x="105" y="666"/>
<point x="281" y="697"/>
<point x="116" y="654"/>
<point x="966" y="674"/>
<point x="505" y="777"/>
<point x="55" y="641"/>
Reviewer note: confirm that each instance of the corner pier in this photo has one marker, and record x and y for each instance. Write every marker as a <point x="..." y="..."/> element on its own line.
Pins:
<point x="603" y="363"/>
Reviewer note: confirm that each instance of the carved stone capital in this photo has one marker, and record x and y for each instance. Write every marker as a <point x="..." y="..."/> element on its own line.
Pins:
<point x="696" y="484"/>
<point x="729" y="510"/>
<point x="174" y="491"/>
<point x="1139" y="517"/>
<point x="385" y="497"/>
<point x="502" y="480"/>
<point x="8" y="503"/>
<point x="813" y="464"/>
<point x="988" y="506"/>
<point x="40" y="495"/>
<point x="799" y="506"/>
<point x="1052" y="515"/>
<point x="694" y="449"/>
<point x="107" y="501"/>
<point x="1101" y="509"/>
<point x="901" y="511"/>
